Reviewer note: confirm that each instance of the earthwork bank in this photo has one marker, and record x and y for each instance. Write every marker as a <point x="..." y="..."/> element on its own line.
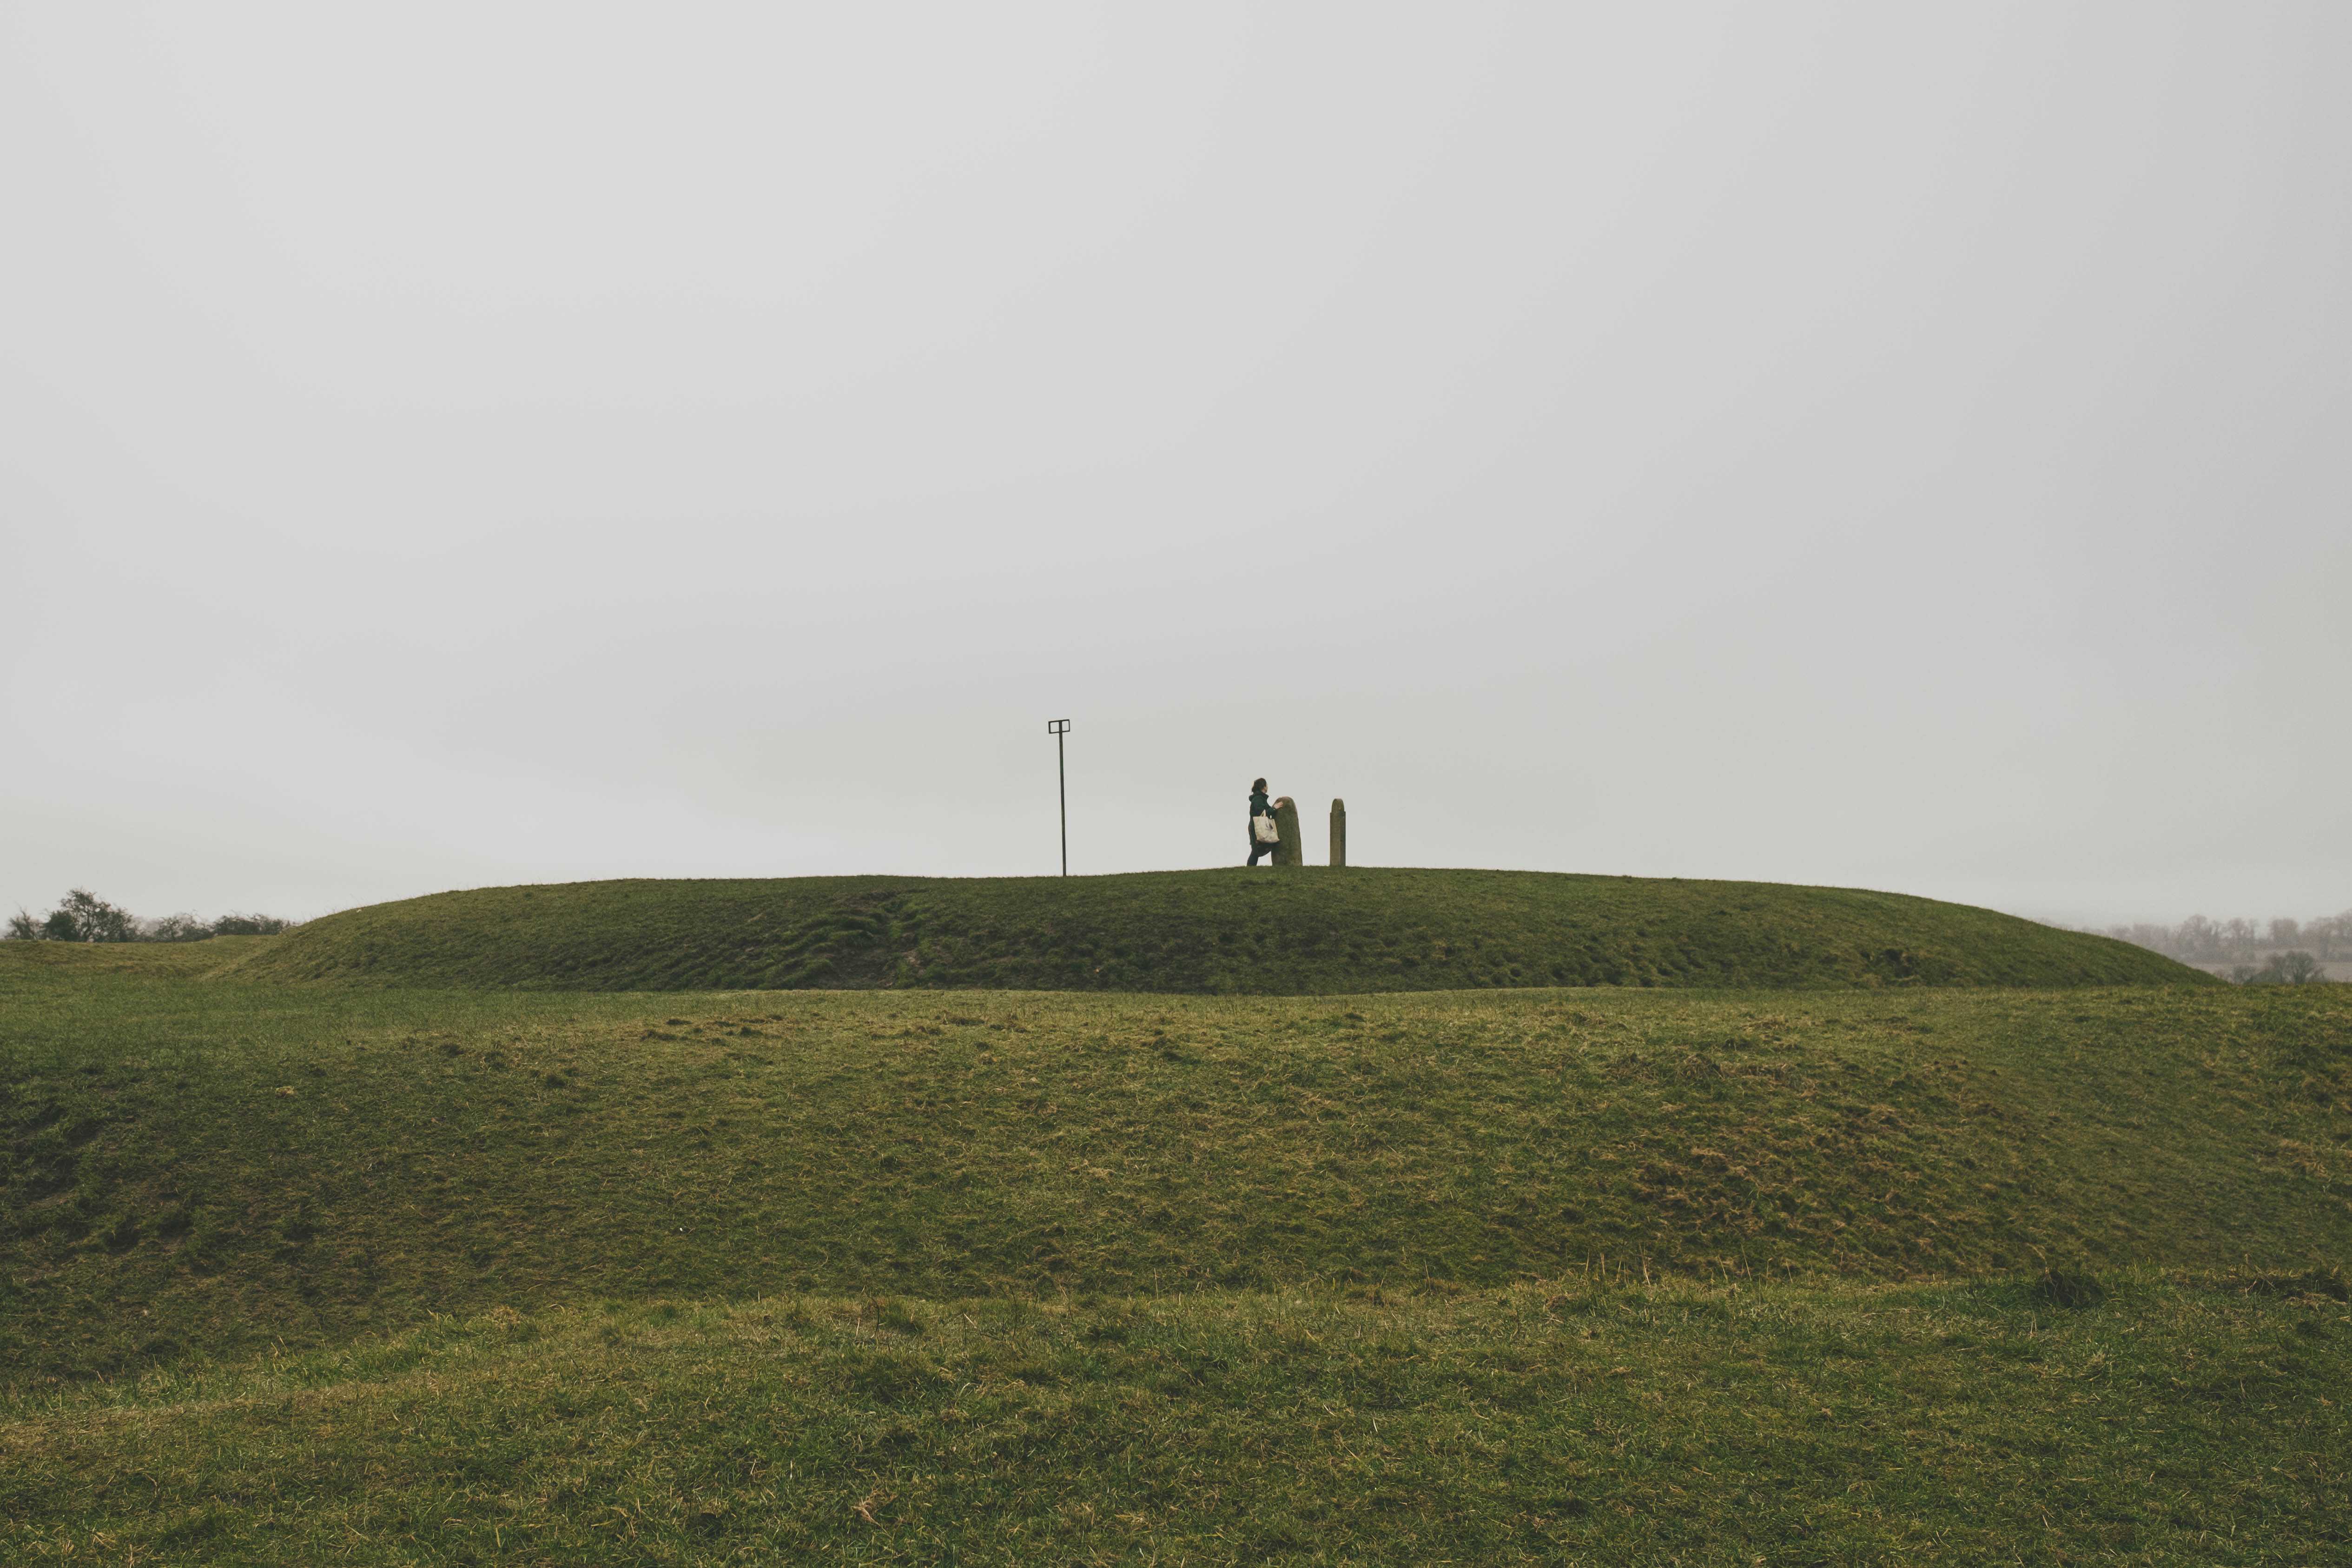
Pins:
<point x="1306" y="931"/>
<point x="544" y="1225"/>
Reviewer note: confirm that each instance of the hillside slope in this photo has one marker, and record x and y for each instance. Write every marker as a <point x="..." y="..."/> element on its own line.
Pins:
<point x="229" y="1166"/>
<point x="1312" y="932"/>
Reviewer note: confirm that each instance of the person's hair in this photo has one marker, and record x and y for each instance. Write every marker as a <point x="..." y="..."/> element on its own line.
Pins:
<point x="1259" y="784"/>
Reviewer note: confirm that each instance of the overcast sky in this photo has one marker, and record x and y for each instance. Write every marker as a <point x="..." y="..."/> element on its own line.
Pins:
<point x="1899" y="446"/>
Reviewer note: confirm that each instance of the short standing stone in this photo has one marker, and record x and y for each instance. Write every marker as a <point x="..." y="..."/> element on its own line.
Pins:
<point x="1292" y="850"/>
<point x="1338" y="833"/>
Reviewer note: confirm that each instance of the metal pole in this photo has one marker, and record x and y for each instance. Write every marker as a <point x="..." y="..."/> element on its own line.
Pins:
<point x="1059" y="728"/>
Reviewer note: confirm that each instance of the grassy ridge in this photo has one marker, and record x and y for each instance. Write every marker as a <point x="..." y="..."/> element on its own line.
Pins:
<point x="227" y="1166"/>
<point x="1583" y="1423"/>
<point x="1312" y="932"/>
<point x="1520" y="1275"/>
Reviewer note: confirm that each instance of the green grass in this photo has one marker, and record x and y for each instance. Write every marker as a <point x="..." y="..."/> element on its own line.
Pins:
<point x="1576" y="1422"/>
<point x="1312" y="932"/>
<point x="229" y="1166"/>
<point x="305" y="1273"/>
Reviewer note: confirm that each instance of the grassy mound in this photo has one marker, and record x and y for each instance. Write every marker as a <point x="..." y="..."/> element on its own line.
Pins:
<point x="1585" y="1422"/>
<point x="386" y="1274"/>
<point x="227" y="1166"/>
<point x="1302" y="932"/>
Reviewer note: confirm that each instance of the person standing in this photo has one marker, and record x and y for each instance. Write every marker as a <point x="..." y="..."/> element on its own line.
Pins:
<point x="1261" y="808"/>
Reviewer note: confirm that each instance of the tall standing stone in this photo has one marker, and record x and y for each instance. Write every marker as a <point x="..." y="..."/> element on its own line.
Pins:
<point x="1339" y="832"/>
<point x="1292" y="850"/>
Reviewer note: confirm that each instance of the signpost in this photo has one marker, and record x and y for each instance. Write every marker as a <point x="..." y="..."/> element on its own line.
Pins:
<point x="1057" y="728"/>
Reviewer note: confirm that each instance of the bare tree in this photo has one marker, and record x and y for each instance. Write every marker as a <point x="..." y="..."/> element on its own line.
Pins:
<point x="2198" y="937"/>
<point x="2298" y="968"/>
<point x="85" y="916"/>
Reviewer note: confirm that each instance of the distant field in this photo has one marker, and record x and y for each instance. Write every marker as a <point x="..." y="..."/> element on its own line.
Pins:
<point x="304" y="1273"/>
<point x="1312" y="932"/>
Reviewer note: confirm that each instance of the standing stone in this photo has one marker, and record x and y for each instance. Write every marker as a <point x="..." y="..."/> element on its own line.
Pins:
<point x="1338" y="833"/>
<point x="1292" y="850"/>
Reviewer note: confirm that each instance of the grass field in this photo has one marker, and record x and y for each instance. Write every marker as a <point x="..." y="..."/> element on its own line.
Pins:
<point x="302" y="1273"/>
<point x="1310" y="932"/>
<point x="1565" y="1422"/>
<point x="232" y="1166"/>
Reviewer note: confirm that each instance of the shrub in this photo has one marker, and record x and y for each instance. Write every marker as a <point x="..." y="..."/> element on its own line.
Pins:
<point x="248" y="925"/>
<point x="83" y="916"/>
<point x="2298" y="968"/>
<point x="176" y="928"/>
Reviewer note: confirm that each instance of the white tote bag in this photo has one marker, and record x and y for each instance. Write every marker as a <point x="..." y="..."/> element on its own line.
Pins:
<point x="1268" y="832"/>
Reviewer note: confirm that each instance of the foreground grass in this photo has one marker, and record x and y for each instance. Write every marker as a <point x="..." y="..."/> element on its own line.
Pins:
<point x="308" y="1274"/>
<point x="1574" y="1422"/>
<point x="1310" y="932"/>
<point x="195" y="1167"/>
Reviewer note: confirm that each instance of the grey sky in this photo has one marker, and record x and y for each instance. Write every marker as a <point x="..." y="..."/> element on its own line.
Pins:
<point x="1853" y="444"/>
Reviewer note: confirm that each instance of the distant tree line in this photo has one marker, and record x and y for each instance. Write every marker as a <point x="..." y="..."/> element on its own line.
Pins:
<point x="82" y="916"/>
<point x="2274" y="952"/>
